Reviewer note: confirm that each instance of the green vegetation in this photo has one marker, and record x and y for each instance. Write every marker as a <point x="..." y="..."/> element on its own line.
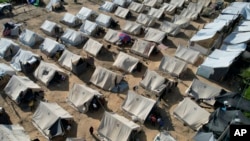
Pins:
<point x="2" y="1"/>
<point x="245" y="75"/>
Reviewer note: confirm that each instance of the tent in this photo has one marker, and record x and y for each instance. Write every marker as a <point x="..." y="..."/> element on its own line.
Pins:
<point x="143" y="48"/>
<point x="92" y="47"/>
<point x="178" y="3"/>
<point x="25" y="61"/>
<point x="172" y="65"/>
<point x="181" y="21"/>
<point x="112" y="36"/>
<point x="11" y="132"/>
<point x="156" y="13"/>
<point x="104" y="78"/>
<point x="168" y="8"/>
<point x="237" y="47"/>
<point x="85" y="13"/>
<point x="30" y="38"/>
<point x="51" y="119"/>
<point x="136" y="7"/>
<point x="21" y="89"/>
<point x="5" y="74"/>
<point x="70" y="20"/>
<point x="122" y="13"/>
<point x="75" y="139"/>
<point x="190" y="113"/>
<point x="187" y="54"/>
<point x="126" y="62"/>
<point x="8" y="48"/>
<point x="72" y="62"/>
<point x="108" y="6"/>
<point x="138" y="105"/>
<point x="204" y="136"/>
<point x="151" y="3"/>
<point x="229" y="19"/>
<point x="203" y="91"/>
<point x="11" y="29"/>
<point x="238" y="8"/>
<point x="115" y="127"/>
<point x="50" y="28"/>
<point x="132" y="28"/>
<point x="50" y="47"/>
<point x="216" y="25"/>
<point x="46" y="72"/>
<point x="153" y="82"/>
<point x="237" y="38"/>
<point x="145" y="20"/>
<point x="73" y="37"/>
<point x="217" y="64"/>
<point x="103" y="20"/>
<point x="122" y="3"/>
<point x="81" y="96"/>
<point x="170" y="28"/>
<point x="89" y="28"/>
<point x="154" y="35"/>
<point x="53" y="4"/>
<point x="163" y="136"/>
<point x="192" y="11"/>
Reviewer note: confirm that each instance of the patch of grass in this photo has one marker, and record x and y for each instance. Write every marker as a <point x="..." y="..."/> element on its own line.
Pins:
<point x="247" y="93"/>
<point x="3" y="1"/>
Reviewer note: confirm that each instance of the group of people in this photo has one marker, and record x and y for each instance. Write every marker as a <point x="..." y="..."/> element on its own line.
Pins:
<point x="156" y="120"/>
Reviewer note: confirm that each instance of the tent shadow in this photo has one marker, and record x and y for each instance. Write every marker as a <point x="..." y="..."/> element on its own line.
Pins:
<point x="141" y="72"/>
<point x="62" y="86"/>
<point x="169" y="43"/>
<point x="156" y="56"/>
<point x="188" y="75"/>
<point x="191" y="27"/>
<point x="182" y="35"/>
<point x="71" y="133"/>
<point x="97" y="114"/>
<point x="85" y="77"/>
<point x="106" y="55"/>
<point x="133" y="17"/>
<point x="141" y="136"/>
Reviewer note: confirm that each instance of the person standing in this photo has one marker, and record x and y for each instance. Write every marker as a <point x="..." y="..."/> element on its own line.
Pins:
<point x="91" y="130"/>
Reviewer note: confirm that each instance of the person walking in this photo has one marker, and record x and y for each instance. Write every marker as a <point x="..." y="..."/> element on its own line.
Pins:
<point x="91" y="130"/>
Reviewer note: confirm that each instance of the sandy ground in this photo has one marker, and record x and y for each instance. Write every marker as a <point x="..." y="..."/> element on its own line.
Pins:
<point x="33" y="19"/>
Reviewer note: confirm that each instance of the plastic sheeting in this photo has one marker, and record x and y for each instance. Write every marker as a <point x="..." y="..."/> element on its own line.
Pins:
<point x="68" y="58"/>
<point x="121" y="12"/>
<point x="145" y="20"/>
<point x="8" y="48"/>
<point x="236" y="47"/>
<point x="170" y="28"/>
<point x="126" y="62"/>
<point x="143" y="48"/>
<point x="108" y="6"/>
<point x="84" y="13"/>
<point x="73" y="37"/>
<point x="169" y="8"/>
<point x="50" y="47"/>
<point x="89" y="28"/>
<point x="203" y="34"/>
<point x="112" y="36"/>
<point x="132" y="28"/>
<point x="150" y="3"/>
<point x="92" y="47"/>
<point x="103" y="20"/>
<point x="29" y="38"/>
<point x="13" y="133"/>
<point x="70" y="20"/>
<point x="154" y="35"/>
<point x="136" y="7"/>
<point x="182" y="21"/>
<point x="237" y="38"/>
<point x="48" y="27"/>
<point x="187" y="54"/>
<point x="6" y="70"/>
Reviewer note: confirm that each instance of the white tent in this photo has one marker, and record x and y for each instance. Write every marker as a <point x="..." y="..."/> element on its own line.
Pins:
<point x="236" y="47"/>
<point x="18" y="85"/>
<point x="187" y="54"/>
<point x="105" y="78"/>
<point x="237" y="38"/>
<point x="103" y="20"/>
<point x="122" y="12"/>
<point x="13" y="133"/>
<point x="23" y="57"/>
<point x="154" y="82"/>
<point x="45" y="72"/>
<point x="122" y="3"/>
<point x="48" y="119"/>
<point x="70" y="20"/>
<point x="136" y="7"/>
<point x="178" y="3"/>
<point x="151" y="3"/>
<point x="145" y="20"/>
<point x="108" y="6"/>
<point x="204" y="136"/>
<point x="154" y="35"/>
<point x="92" y="47"/>
<point x="132" y="28"/>
<point x="190" y="113"/>
<point x="126" y="62"/>
<point x="138" y="105"/>
<point x="228" y="18"/>
<point x="73" y="37"/>
<point x="163" y="136"/>
<point x="170" y="28"/>
<point x="80" y="97"/>
<point x="51" y="4"/>
<point x="49" y="27"/>
<point x="216" y="25"/>
<point x="112" y="36"/>
<point x="6" y="70"/>
<point x="50" y="47"/>
<point x="201" y="90"/>
<point x="172" y="65"/>
<point x="192" y="11"/>
<point x="29" y="38"/>
<point x="75" y="139"/>
<point x="143" y="48"/>
<point x="156" y="13"/>
<point x="203" y="34"/>
<point x="114" y="127"/>
<point x="8" y="48"/>
<point x="85" y="13"/>
<point x="89" y="28"/>
<point x="180" y="20"/>
<point x="168" y="8"/>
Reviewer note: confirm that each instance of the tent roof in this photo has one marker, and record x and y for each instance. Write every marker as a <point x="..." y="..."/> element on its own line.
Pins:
<point x="132" y="28"/>
<point x="5" y="44"/>
<point x="169" y="8"/>
<point x="68" y="58"/>
<point x="126" y="62"/>
<point x="29" y="38"/>
<point x="187" y="54"/>
<point x="145" y="20"/>
<point x="170" y="28"/>
<point x="69" y="18"/>
<point x="92" y="47"/>
<point x="156" y="13"/>
<point x="6" y="69"/>
<point x="237" y="8"/>
<point x="234" y="48"/>
<point x="138" y="105"/>
<point x="112" y="36"/>
<point x="50" y="46"/>
<point x="45" y="72"/>
<point x="237" y="38"/>
<point x="122" y="3"/>
<point x="182" y="21"/>
<point x="178" y="3"/>
<point x="73" y="37"/>
<point x="84" y="13"/>
<point x="150" y="3"/>
<point x="103" y="20"/>
<point x="172" y="65"/>
<point x="18" y="84"/>
<point x="190" y="113"/>
<point x="13" y="133"/>
<point x="48" y="26"/>
<point x="204" y="136"/>
<point x="204" y="34"/>
<point x="143" y="48"/>
<point x="121" y="12"/>
<point x="136" y="7"/>
<point x="154" y="35"/>
<point x="105" y="78"/>
<point x="164" y="136"/>
<point x="75" y="139"/>
<point x="115" y="127"/>
<point x="88" y="27"/>
<point x="108" y="6"/>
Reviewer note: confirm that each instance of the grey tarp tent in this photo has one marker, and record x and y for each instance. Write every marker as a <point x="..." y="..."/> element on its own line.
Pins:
<point x="122" y="3"/>
<point x="180" y="20"/>
<point x="168" y="8"/>
<point x="105" y="78"/>
<point x="143" y="48"/>
<point x="112" y="36"/>
<point x="178" y="3"/>
<point x="156" y="13"/>
<point x="192" y="11"/>
<point x="8" y="48"/>
<point x="45" y="72"/>
<point x="237" y="47"/>
<point x="50" y="47"/>
<point x="138" y="105"/>
<point x="126" y="62"/>
<point x="204" y="136"/>
<point x="5" y="74"/>
<point x="18" y="85"/>
<point x="10" y="132"/>
<point x="72" y="62"/>
<point x="50" y="28"/>
<point x="49" y="119"/>
<point x="29" y="38"/>
<point x="170" y="28"/>
<point x="151" y="3"/>
<point x="201" y="90"/>
<point x="237" y="38"/>
<point x="89" y="28"/>
<point x="108" y="6"/>
<point x="132" y="28"/>
<point x="136" y="7"/>
<point x="187" y="54"/>
<point x="238" y="8"/>
<point x="70" y="20"/>
<point x="73" y="37"/>
<point x="75" y="139"/>
<point x="80" y="97"/>
<point x="154" y="35"/>
<point x="163" y="136"/>
<point x="108" y="127"/>
<point x="103" y="20"/>
<point x="153" y="82"/>
<point x="52" y="3"/>
<point x="122" y="12"/>
<point x="145" y="20"/>
<point x="92" y="47"/>
<point x="85" y="13"/>
<point x="172" y="65"/>
<point x="190" y="113"/>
